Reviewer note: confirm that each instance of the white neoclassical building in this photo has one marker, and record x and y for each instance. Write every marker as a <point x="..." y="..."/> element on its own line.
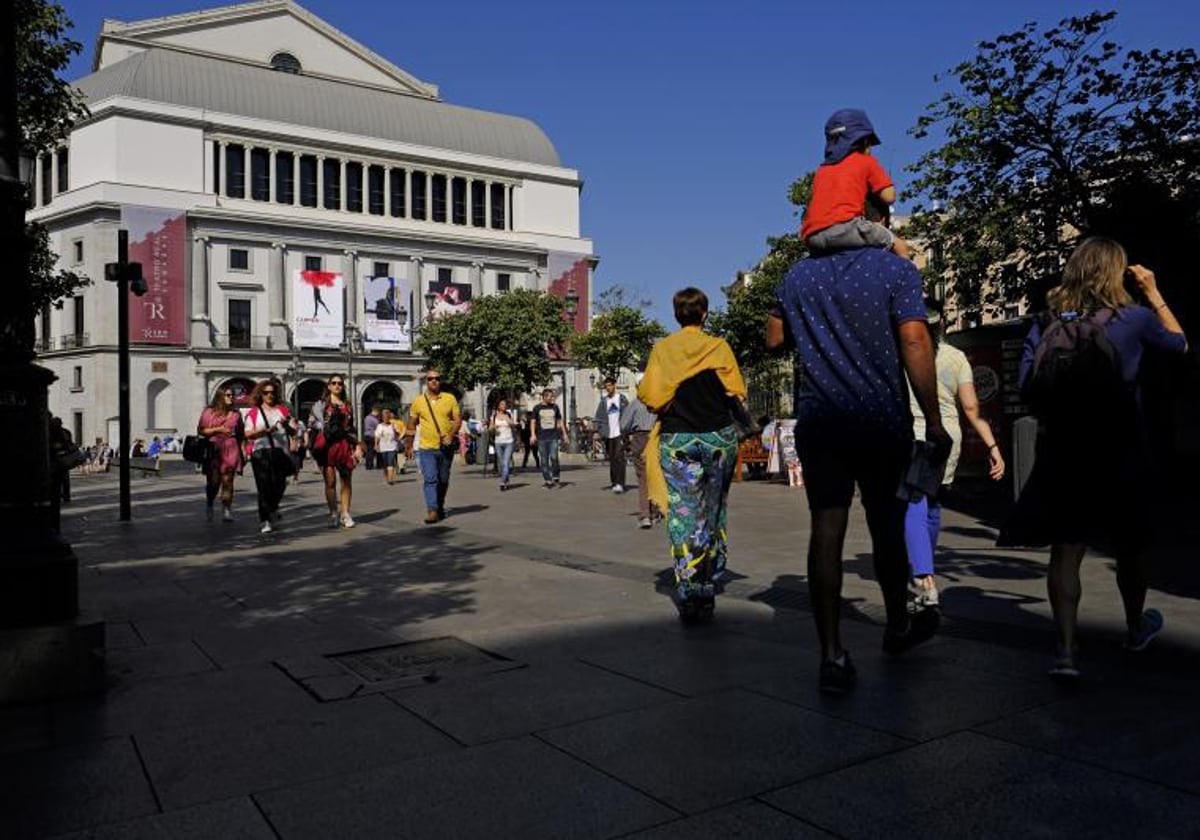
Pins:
<point x="298" y="204"/>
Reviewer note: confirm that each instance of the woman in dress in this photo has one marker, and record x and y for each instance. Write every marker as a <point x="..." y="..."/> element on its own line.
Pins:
<point x="270" y="428"/>
<point x="1091" y="482"/>
<point x="502" y="427"/>
<point x="689" y="383"/>
<point x="386" y="444"/>
<point x="221" y="424"/>
<point x="336" y="448"/>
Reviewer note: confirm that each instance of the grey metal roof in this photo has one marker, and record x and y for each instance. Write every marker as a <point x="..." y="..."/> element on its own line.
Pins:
<point x="163" y="75"/>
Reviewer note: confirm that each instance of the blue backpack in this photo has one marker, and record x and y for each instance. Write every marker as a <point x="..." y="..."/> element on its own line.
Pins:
<point x="1076" y="377"/>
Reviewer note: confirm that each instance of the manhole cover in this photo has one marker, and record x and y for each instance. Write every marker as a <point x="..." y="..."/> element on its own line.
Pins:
<point x="425" y="659"/>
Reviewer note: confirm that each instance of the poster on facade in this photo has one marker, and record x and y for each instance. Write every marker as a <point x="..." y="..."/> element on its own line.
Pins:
<point x="449" y="298"/>
<point x="387" y="314"/>
<point x="569" y="275"/>
<point x="317" y="311"/>
<point x="158" y="240"/>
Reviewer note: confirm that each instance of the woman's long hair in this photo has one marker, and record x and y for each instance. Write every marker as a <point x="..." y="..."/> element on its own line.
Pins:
<point x="217" y="403"/>
<point x="1094" y="278"/>
<point x="256" y="397"/>
<point x="325" y="392"/>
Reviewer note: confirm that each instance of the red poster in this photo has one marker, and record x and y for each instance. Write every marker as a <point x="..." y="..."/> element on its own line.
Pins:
<point x="157" y="239"/>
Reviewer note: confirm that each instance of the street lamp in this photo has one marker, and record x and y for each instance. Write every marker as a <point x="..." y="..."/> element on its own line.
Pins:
<point x="570" y="308"/>
<point x="294" y="370"/>
<point x="353" y="344"/>
<point x="128" y="277"/>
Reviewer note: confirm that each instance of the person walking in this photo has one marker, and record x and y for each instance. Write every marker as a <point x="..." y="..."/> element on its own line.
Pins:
<point x="611" y="412"/>
<point x="689" y="382"/>
<point x="386" y="444"/>
<point x="370" y="424"/>
<point x="546" y="427"/>
<point x="955" y="389"/>
<point x="502" y="430"/>
<point x="221" y="423"/>
<point x="528" y="443"/>
<point x="270" y="428"/>
<point x="435" y="417"/>
<point x="858" y="321"/>
<point x="1092" y="482"/>
<point x="335" y="449"/>
<point x="636" y="426"/>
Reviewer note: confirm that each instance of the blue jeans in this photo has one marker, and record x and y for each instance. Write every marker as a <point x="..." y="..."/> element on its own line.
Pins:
<point x="922" y="524"/>
<point x="504" y="453"/>
<point x="435" y="473"/>
<point x="548" y="453"/>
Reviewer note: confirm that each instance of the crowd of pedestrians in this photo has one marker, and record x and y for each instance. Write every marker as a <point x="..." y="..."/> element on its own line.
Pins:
<point x="877" y="408"/>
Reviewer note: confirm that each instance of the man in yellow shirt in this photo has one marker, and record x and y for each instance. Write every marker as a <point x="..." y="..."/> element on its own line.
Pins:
<point x="433" y="420"/>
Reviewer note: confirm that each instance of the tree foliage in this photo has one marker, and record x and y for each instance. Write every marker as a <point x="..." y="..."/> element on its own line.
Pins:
<point x="502" y="341"/>
<point x="620" y="295"/>
<point x="620" y="337"/>
<point x="1043" y="132"/>
<point x="47" y="108"/>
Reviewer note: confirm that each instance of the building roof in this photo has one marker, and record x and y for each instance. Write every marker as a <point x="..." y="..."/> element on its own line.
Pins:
<point x="240" y="89"/>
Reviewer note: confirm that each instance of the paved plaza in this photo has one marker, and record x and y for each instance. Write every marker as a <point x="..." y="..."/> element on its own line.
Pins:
<point x="519" y="671"/>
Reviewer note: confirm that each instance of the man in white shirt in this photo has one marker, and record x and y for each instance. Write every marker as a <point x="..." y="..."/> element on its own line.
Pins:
<point x="612" y="410"/>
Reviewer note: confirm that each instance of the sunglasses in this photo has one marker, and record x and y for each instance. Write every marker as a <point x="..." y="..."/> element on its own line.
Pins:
<point x="268" y="393"/>
<point x="335" y="382"/>
<point x="229" y="394"/>
<point x="433" y="379"/>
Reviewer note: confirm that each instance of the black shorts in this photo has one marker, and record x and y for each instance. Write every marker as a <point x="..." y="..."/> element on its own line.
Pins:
<point x="834" y="464"/>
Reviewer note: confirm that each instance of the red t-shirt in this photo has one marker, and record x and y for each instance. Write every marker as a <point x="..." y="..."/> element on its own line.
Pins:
<point x="840" y="191"/>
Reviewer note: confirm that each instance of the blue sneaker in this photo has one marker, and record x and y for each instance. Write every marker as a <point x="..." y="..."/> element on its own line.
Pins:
<point x="1152" y="625"/>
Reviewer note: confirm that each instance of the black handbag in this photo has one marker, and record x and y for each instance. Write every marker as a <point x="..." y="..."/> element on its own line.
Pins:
<point x="197" y="449"/>
<point x="448" y="450"/>
<point x="743" y="421"/>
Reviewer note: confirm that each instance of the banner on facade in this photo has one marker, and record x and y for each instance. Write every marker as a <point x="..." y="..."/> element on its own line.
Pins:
<point x="387" y="318"/>
<point x="450" y="298"/>
<point x="158" y="240"/>
<point x="569" y="274"/>
<point x="317" y="311"/>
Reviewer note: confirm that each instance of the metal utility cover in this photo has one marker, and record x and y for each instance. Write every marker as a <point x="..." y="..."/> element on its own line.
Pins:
<point x="427" y="659"/>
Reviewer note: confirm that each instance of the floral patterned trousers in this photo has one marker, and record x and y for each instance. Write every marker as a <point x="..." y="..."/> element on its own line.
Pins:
<point x="698" y="467"/>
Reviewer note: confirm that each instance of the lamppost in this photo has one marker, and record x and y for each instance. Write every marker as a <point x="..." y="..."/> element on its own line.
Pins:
<point x="570" y="308"/>
<point x="352" y="344"/>
<point x="128" y="277"/>
<point x="294" y="370"/>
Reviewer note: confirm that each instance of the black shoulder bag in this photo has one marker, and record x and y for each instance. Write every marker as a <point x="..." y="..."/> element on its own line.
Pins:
<point x="448" y="449"/>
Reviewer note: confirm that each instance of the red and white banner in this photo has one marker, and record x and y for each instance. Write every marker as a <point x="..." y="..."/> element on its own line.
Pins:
<point x="317" y="310"/>
<point x="158" y="240"/>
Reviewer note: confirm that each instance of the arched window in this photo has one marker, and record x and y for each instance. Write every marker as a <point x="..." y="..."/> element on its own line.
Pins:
<point x="285" y="62"/>
<point x="159" y="414"/>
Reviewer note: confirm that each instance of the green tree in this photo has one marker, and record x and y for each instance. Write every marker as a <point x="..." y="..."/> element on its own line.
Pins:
<point x="47" y="108"/>
<point x="1043" y="133"/>
<point x="620" y="295"/>
<point x="620" y="337"/>
<point x="502" y="341"/>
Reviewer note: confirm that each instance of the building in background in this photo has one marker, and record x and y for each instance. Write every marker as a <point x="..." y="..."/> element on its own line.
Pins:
<point x="297" y="202"/>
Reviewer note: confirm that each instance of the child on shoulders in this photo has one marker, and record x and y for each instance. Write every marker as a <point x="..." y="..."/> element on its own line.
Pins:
<point x="835" y="218"/>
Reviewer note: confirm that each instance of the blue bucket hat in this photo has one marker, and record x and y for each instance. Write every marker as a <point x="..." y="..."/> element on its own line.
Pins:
<point x="845" y="128"/>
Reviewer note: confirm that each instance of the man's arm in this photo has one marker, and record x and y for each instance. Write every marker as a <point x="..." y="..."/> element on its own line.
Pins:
<point x="916" y="351"/>
<point x="776" y="334"/>
<point x="457" y="417"/>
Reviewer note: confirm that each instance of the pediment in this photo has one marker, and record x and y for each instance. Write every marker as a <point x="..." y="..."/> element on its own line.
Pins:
<point x="257" y="32"/>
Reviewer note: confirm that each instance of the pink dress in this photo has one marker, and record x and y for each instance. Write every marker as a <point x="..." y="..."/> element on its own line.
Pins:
<point x="227" y="449"/>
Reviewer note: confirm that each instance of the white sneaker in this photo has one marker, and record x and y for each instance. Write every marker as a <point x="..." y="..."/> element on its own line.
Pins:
<point x="644" y="522"/>
<point x="347" y="522"/>
<point x="226" y="515"/>
<point x="617" y="488"/>
<point x="266" y="528"/>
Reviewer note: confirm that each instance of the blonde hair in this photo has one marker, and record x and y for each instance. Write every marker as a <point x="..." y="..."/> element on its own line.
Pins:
<point x="1094" y="278"/>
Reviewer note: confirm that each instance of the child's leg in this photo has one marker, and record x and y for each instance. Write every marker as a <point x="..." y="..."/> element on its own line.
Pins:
<point x="856" y="233"/>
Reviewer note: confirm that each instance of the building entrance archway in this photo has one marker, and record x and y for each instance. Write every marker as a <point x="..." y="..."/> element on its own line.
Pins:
<point x="304" y="395"/>
<point x="384" y="394"/>
<point x="241" y="387"/>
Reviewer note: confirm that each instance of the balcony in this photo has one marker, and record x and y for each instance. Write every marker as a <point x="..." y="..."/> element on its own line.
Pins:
<point x="72" y="342"/>
<point x="241" y="341"/>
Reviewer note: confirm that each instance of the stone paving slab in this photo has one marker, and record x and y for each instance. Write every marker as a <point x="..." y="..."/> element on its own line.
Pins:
<point x="698" y="753"/>
<point x="70" y="787"/>
<point x="526" y="700"/>
<point x="231" y="819"/>
<point x="748" y="820"/>
<point x="174" y="659"/>
<point x="515" y="788"/>
<point x="193" y="764"/>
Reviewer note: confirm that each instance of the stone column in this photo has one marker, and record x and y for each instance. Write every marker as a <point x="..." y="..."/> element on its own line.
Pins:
<point x="247" y="176"/>
<point x="277" y="295"/>
<point x="342" y="185"/>
<point x="470" y="196"/>
<point x="272" y="186"/>
<point x="407" y="193"/>
<point x="449" y="200"/>
<point x="414" y="276"/>
<point x="201" y="320"/>
<point x="295" y="179"/>
<point x="320" y="182"/>
<point x="477" y="279"/>
<point x="350" y="272"/>
<point x="223" y="165"/>
<point x="387" y="191"/>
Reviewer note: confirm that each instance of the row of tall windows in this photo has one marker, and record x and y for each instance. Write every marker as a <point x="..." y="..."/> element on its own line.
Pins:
<point x="369" y="188"/>
<point x="54" y="169"/>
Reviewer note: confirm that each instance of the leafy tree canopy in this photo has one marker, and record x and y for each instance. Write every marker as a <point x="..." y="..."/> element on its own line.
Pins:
<point x="1043" y="131"/>
<point x="502" y="341"/>
<point x="620" y="337"/>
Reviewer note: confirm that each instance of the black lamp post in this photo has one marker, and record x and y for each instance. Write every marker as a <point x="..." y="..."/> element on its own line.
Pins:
<point x="128" y="277"/>
<point x="570" y="308"/>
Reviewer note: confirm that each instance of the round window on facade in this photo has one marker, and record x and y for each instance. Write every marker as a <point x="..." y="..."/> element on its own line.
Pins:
<point x="285" y="62"/>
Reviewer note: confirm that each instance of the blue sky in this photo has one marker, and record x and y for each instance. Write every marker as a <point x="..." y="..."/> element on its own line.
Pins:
<point x="687" y="119"/>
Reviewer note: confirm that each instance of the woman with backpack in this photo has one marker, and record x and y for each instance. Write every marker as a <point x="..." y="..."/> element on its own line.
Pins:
<point x="335" y="448"/>
<point x="269" y="429"/>
<point x="1079" y="372"/>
